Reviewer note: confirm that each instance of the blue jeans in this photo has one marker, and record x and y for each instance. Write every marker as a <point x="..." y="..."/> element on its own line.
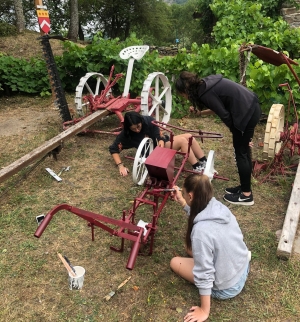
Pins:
<point x="232" y="291"/>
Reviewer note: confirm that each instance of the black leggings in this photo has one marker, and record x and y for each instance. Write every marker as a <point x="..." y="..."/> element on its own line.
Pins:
<point x="243" y="151"/>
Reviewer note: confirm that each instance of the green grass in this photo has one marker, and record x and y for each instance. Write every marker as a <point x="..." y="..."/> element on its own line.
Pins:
<point x="34" y="283"/>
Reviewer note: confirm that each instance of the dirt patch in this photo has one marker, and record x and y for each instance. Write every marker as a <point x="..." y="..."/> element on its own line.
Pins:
<point x="18" y="46"/>
<point x="22" y="121"/>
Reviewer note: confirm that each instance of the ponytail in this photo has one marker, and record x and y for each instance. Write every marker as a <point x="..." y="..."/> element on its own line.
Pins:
<point x="202" y="191"/>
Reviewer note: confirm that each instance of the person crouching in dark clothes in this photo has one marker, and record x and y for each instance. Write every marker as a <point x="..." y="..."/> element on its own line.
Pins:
<point x="137" y="127"/>
<point x="239" y="109"/>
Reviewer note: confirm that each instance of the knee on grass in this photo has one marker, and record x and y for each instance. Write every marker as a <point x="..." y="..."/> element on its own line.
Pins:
<point x="175" y="264"/>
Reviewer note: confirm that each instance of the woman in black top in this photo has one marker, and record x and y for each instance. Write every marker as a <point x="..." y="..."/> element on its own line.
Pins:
<point x="137" y="127"/>
<point x="239" y="109"/>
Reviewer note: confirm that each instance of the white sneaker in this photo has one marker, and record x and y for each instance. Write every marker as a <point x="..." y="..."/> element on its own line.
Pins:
<point x="199" y="169"/>
<point x="202" y="164"/>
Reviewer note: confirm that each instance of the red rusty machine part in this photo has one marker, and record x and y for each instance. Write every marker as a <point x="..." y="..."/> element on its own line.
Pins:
<point x="279" y="134"/>
<point x="162" y="176"/>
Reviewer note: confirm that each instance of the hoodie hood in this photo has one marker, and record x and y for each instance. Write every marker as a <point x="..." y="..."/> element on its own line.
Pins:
<point x="210" y="81"/>
<point x="214" y="211"/>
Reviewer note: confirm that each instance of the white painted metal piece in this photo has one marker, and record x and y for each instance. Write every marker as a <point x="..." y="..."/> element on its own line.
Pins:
<point x="53" y="174"/>
<point x="128" y="77"/>
<point x="275" y="125"/>
<point x="210" y="163"/>
<point x="136" y="52"/>
<point x="157" y="88"/>
<point x="143" y="224"/>
<point x="139" y="171"/>
<point x="133" y="53"/>
<point x="82" y="106"/>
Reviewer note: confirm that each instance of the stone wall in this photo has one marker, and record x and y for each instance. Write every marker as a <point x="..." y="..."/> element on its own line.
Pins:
<point x="166" y="51"/>
<point x="291" y="14"/>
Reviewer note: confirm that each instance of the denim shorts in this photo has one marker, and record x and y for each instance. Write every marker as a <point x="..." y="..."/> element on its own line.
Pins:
<point x="232" y="291"/>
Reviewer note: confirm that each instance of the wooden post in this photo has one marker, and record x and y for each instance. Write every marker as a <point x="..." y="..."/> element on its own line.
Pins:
<point x="285" y="245"/>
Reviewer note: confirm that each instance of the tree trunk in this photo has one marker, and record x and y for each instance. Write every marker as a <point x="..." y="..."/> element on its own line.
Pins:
<point x="74" y="21"/>
<point x="80" y="32"/>
<point x="20" y="20"/>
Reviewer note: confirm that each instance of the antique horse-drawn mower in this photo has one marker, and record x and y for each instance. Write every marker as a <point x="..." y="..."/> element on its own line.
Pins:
<point x="94" y="92"/>
<point x="162" y="176"/>
<point x="280" y="134"/>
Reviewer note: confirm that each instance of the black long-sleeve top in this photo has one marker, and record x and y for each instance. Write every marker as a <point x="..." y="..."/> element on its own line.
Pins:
<point x="232" y="102"/>
<point x="134" y="139"/>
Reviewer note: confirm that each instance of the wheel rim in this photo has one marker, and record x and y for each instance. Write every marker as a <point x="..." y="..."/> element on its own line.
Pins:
<point x="210" y="165"/>
<point x="274" y="127"/>
<point x="91" y="84"/>
<point x="139" y="171"/>
<point x="157" y="92"/>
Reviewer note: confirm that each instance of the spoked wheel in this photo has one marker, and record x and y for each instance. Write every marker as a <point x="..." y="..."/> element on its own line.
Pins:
<point x="139" y="171"/>
<point x="210" y="164"/>
<point x="275" y="125"/>
<point x="91" y="84"/>
<point x="156" y="97"/>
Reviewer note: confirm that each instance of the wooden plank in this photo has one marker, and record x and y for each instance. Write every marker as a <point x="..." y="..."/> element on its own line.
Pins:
<point x="50" y="145"/>
<point x="289" y="229"/>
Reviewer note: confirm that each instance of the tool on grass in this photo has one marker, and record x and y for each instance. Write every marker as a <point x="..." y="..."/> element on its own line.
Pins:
<point x="67" y="266"/>
<point x="112" y="293"/>
<point x="61" y="171"/>
<point x="64" y="169"/>
<point x="53" y="174"/>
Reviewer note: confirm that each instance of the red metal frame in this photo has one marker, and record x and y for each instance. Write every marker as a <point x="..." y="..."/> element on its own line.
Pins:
<point x="115" y="105"/>
<point x="154" y="195"/>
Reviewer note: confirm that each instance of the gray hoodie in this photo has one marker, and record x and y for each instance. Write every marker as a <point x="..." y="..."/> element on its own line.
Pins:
<point x="219" y="252"/>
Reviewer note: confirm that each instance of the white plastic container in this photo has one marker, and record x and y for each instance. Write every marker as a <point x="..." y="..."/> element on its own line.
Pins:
<point x="76" y="283"/>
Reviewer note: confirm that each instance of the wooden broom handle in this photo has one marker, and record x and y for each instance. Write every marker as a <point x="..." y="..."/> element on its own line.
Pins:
<point x="67" y="266"/>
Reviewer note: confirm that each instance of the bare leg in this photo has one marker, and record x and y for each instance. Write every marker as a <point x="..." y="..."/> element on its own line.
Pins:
<point x="195" y="146"/>
<point x="183" y="267"/>
<point x="181" y="143"/>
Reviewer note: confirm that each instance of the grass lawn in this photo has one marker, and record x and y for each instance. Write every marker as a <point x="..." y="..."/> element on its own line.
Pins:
<point x="34" y="282"/>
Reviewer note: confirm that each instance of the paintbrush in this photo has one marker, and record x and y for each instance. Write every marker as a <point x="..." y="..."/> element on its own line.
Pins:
<point x="67" y="260"/>
<point x="165" y="190"/>
<point x="112" y="293"/>
<point x="67" y="266"/>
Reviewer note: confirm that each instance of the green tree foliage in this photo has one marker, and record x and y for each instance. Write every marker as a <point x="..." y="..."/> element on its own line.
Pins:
<point x="252" y="26"/>
<point x="149" y="19"/>
<point x="6" y="9"/>
<point x="154" y="23"/>
<point x="185" y="28"/>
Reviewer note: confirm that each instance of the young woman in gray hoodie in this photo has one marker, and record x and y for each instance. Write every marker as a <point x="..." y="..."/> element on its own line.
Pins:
<point x="219" y="262"/>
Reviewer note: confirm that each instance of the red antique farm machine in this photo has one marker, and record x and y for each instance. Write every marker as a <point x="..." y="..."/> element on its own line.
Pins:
<point x="94" y="92"/>
<point x="280" y="134"/>
<point x="162" y="175"/>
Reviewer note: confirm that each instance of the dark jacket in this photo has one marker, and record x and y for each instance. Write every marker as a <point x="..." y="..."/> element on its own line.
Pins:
<point x="232" y="102"/>
<point x="133" y="141"/>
